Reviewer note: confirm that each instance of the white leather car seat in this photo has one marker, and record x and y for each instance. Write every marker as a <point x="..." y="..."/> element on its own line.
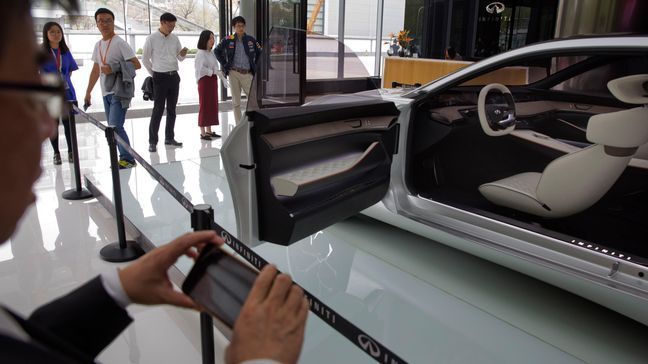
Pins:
<point x="576" y="181"/>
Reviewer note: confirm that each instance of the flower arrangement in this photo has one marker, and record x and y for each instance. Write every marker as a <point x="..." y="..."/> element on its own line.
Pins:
<point x="399" y="43"/>
<point x="404" y="39"/>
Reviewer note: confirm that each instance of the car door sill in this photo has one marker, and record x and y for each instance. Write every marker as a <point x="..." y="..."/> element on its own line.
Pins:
<point x="605" y="264"/>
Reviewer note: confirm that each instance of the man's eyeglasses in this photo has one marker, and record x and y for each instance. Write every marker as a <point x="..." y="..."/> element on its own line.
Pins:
<point x="48" y="96"/>
<point x="105" y="21"/>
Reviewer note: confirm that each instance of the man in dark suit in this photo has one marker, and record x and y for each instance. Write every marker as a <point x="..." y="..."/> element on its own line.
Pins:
<point x="76" y="327"/>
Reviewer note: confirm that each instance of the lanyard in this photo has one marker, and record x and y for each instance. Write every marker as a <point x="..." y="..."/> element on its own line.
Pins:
<point x="57" y="59"/>
<point x="103" y="56"/>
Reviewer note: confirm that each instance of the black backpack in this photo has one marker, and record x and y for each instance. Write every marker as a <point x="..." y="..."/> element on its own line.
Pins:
<point x="147" y="89"/>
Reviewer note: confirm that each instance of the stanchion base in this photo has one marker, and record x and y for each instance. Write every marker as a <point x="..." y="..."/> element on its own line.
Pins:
<point x="77" y="195"/>
<point x="113" y="253"/>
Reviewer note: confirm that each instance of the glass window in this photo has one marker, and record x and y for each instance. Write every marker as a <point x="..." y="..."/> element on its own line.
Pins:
<point x="315" y="16"/>
<point x="360" y="34"/>
<point x="594" y="82"/>
<point x="459" y="27"/>
<point x="522" y="73"/>
<point x="512" y="24"/>
<point x="134" y="21"/>
<point x="355" y="55"/>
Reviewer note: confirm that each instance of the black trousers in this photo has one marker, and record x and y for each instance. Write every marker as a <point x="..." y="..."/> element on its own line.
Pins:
<point x="66" y="128"/>
<point x="166" y="88"/>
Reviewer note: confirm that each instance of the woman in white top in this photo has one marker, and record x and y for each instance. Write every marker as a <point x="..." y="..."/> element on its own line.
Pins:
<point x="206" y="69"/>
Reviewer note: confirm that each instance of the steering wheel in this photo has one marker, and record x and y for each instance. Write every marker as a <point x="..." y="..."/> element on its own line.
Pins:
<point x="496" y="110"/>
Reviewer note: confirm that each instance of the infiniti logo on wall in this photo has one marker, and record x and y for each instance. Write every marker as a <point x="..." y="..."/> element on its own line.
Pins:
<point x="369" y="345"/>
<point x="495" y="8"/>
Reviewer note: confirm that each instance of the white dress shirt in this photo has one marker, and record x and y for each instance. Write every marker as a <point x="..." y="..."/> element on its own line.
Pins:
<point x="161" y="53"/>
<point x="206" y="64"/>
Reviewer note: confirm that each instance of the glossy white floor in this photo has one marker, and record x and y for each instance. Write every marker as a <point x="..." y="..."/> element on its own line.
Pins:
<point x="426" y="302"/>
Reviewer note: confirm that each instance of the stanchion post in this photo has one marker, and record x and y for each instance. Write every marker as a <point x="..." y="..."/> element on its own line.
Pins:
<point x="78" y="193"/>
<point x="202" y="218"/>
<point x="123" y="250"/>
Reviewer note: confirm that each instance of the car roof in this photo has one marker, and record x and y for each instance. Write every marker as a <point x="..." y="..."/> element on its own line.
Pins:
<point x="576" y="44"/>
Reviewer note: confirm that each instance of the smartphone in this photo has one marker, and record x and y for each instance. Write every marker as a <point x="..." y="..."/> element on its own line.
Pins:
<point x="220" y="283"/>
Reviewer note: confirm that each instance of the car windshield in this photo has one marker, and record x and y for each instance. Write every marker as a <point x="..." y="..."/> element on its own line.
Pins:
<point x="586" y="73"/>
<point x="283" y="71"/>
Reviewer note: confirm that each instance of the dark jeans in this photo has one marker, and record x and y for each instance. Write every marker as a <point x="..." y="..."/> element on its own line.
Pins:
<point x="166" y="88"/>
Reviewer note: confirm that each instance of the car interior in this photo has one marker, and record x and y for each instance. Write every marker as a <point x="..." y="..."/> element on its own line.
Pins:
<point x="562" y="136"/>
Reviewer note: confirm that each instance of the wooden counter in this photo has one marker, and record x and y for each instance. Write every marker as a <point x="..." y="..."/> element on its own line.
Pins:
<point x="423" y="70"/>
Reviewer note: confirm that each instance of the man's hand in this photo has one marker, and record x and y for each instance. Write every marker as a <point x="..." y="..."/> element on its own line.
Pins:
<point x="272" y="321"/>
<point x="146" y="281"/>
<point x="87" y="101"/>
<point x="183" y="51"/>
<point x="106" y="70"/>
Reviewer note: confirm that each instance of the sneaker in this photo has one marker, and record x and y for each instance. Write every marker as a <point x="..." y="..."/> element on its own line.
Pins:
<point x="70" y="157"/>
<point x="173" y="143"/>
<point x="152" y="148"/>
<point x="214" y="135"/>
<point x="205" y="136"/>
<point x="57" y="159"/>
<point x="124" y="164"/>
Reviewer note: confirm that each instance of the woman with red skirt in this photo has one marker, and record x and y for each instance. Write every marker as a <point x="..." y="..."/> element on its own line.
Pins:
<point x="206" y="69"/>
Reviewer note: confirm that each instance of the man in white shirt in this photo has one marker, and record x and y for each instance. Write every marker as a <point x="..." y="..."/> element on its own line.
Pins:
<point x="161" y="53"/>
<point x="107" y="54"/>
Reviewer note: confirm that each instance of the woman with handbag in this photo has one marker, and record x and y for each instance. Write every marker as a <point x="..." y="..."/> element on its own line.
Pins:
<point x="62" y="63"/>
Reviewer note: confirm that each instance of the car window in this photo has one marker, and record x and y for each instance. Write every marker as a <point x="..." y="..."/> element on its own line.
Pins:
<point x="522" y="73"/>
<point x="594" y="82"/>
<point x="590" y="82"/>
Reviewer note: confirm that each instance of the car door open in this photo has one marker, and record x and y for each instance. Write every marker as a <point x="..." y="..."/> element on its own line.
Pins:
<point x="296" y="170"/>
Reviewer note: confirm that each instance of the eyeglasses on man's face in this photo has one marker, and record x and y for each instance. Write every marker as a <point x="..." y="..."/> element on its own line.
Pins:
<point x="48" y="96"/>
<point x="105" y="21"/>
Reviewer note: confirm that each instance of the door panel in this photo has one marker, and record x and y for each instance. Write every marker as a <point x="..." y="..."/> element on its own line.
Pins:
<point x="295" y="136"/>
<point x="316" y="165"/>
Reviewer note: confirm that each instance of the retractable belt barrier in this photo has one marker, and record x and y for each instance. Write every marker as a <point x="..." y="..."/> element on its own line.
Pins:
<point x="354" y="334"/>
<point x="92" y="120"/>
<point x="361" y="339"/>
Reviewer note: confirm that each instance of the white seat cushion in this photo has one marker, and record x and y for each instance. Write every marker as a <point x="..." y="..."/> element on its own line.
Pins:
<point x="517" y="192"/>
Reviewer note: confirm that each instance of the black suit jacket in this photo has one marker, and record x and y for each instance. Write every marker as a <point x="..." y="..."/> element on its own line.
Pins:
<point x="72" y="329"/>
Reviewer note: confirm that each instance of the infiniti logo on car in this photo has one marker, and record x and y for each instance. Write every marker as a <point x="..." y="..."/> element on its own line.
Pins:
<point x="495" y="7"/>
<point x="369" y="345"/>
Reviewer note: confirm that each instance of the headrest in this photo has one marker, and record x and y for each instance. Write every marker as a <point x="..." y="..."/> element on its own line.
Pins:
<point x="630" y="89"/>
<point x="622" y="129"/>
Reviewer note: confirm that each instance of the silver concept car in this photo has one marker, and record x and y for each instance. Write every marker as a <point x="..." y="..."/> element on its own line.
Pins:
<point x="546" y="173"/>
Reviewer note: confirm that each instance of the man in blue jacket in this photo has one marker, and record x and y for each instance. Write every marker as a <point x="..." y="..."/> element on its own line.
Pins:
<point x="238" y="54"/>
